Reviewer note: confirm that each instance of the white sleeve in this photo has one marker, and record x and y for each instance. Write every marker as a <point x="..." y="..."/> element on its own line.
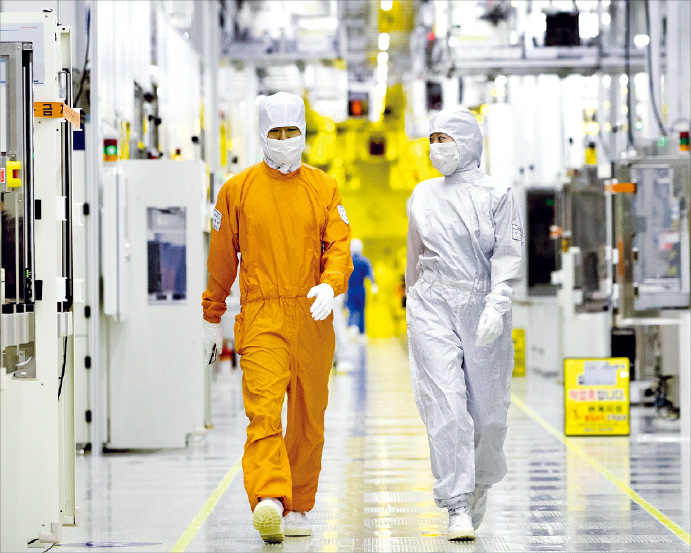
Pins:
<point x="507" y="260"/>
<point x="414" y="249"/>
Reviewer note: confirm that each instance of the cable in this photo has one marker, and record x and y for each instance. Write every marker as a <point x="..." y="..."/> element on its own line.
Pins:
<point x="64" y="363"/>
<point x="653" y="101"/>
<point x="86" y="56"/>
<point x="627" y="58"/>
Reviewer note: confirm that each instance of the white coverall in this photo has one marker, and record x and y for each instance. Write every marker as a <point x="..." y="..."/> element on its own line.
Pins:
<point x="465" y="244"/>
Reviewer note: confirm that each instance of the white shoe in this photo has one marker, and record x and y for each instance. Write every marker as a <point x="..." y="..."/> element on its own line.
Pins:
<point x="460" y="524"/>
<point x="297" y="524"/>
<point x="479" y="505"/>
<point x="268" y="520"/>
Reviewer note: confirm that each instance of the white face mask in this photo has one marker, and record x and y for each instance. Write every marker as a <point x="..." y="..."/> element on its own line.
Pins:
<point x="445" y="157"/>
<point x="285" y="152"/>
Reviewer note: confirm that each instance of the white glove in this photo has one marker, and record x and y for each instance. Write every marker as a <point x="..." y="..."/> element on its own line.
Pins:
<point x="212" y="335"/>
<point x="324" y="303"/>
<point x="374" y="288"/>
<point x="490" y="327"/>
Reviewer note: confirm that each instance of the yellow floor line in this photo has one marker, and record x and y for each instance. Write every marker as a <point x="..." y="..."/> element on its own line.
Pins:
<point x="573" y="446"/>
<point x="208" y="507"/>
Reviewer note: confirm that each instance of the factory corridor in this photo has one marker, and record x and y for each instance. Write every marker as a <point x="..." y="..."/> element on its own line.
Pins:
<point x="561" y="494"/>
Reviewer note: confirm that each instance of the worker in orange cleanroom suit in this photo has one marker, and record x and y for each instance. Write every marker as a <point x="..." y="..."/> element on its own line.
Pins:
<point x="286" y="220"/>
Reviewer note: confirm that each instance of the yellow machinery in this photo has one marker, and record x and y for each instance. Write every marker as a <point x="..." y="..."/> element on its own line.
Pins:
<point x="376" y="167"/>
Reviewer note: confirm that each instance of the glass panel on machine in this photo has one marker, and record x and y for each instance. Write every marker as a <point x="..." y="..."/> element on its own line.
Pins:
<point x="5" y="230"/>
<point x="589" y="234"/>
<point x="16" y="219"/>
<point x="658" y="230"/>
<point x="3" y="109"/>
<point x="167" y="254"/>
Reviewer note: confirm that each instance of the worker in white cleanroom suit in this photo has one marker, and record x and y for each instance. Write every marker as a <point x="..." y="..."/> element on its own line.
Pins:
<point x="465" y="245"/>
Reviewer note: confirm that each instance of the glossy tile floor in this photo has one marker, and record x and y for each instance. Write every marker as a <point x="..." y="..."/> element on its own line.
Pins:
<point x="582" y="494"/>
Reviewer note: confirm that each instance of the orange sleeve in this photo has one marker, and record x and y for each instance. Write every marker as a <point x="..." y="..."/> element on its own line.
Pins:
<point x="222" y="262"/>
<point x="336" y="263"/>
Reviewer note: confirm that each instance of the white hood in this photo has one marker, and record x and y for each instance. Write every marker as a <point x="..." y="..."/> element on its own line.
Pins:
<point x="462" y="126"/>
<point x="281" y="110"/>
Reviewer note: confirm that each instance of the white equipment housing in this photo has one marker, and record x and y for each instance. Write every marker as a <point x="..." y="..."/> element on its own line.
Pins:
<point x="154" y="273"/>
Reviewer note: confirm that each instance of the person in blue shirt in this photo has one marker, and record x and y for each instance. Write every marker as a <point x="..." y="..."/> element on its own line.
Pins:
<point x="355" y="301"/>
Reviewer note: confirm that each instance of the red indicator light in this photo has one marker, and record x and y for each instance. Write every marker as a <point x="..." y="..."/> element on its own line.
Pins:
<point x="430" y="36"/>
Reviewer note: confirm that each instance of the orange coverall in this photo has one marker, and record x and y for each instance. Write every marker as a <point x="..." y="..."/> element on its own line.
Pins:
<point x="292" y="233"/>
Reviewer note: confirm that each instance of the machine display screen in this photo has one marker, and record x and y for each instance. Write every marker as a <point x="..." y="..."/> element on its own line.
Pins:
<point x="167" y="250"/>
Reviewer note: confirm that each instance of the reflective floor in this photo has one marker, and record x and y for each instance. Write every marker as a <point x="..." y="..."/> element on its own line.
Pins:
<point x="578" y="494"/>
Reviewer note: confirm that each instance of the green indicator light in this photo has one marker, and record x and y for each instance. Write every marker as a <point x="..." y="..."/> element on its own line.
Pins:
<point x="111" y="150"/>
<point x="639" y="125"/>
<point x="662" y="141"/>
<point x="549" y="202"/>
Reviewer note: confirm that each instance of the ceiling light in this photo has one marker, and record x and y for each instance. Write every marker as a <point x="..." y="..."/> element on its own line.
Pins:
<point x="383" y="41"/>
<point x="641" y="41"/>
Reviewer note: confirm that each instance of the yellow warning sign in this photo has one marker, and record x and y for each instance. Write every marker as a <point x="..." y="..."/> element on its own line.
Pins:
<point x="596" y="397"/>
<point x="518" y="335"/>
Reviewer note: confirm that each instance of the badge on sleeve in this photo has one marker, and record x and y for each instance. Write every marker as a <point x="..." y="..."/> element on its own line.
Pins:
<point x="216" y="220"/>
<point x="517" y="233"/>
<point x="342" y="213"/>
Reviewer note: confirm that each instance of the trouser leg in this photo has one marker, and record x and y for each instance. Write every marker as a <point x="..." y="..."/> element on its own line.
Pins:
<point x="488" y="376"/>
<point x="266" y="373"/>
<point x="307" y="400"/>
<point x="436" y="364"/>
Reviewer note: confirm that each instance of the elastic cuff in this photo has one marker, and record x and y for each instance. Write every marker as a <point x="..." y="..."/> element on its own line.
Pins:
<point x="332" y="281"/>
<point x="499" y="302"/>
<point x="212" y="319"/>
<point x="462" y="500"/>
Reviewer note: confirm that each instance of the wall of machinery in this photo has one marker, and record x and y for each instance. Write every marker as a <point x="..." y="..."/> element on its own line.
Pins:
<point x="41" y="284"/>
<point x="131" y="208"/>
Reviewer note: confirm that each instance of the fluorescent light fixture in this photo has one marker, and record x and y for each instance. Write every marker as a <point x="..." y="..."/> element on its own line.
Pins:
<point x="606" y="19"/>
<point x="501" y="80"/>
<point x="623" y="79"/>
<point x="641" y="41"/>
<point x="386" y="5"/>
<point x="606" y="81"/>
<point x="382" y="57"/>
<point x="383" y="41"/>
<point x="640" y="82"/>
<point x="588" y="24"/>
